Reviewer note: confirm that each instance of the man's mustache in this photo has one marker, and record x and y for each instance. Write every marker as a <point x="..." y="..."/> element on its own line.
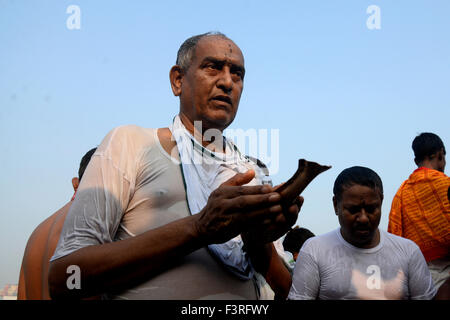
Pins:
<point x="361" y="227"/>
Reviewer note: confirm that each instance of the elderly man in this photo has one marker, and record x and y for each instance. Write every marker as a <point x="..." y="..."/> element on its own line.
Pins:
<point x="161" y="212"/>
<point x="358" y="260"/>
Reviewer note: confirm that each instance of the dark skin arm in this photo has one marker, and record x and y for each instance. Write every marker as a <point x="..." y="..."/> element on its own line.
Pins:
<point x="262" y="252"/>
<point x="115" y="265"/>
<point x="230" y="210"/>
<point x="266" y="261"/>
<point x="443" y="292"/>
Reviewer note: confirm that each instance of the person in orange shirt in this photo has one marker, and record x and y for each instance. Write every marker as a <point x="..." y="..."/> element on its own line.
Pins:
<point x="421" y="210"/>
<point x="33" y="281"/>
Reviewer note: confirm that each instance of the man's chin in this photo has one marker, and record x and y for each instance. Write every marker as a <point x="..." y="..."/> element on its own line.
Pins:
<point x="218" y="121"/>
<point x="362" y="240"/>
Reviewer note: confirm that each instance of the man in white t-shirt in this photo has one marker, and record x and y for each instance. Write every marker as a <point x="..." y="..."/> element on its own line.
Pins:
<point x="358" y="260"/>
<point x="145" y="227"/>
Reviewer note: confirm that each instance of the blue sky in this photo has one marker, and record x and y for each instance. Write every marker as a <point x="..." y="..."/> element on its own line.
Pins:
<point x="339" y="93"/>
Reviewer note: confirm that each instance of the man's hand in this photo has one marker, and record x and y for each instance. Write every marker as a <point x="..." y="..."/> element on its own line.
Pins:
<point x="275" y="227"/>
<point x="272" y="228"/>
<point x="262" y="252"/>
<point x="233" y="208"/>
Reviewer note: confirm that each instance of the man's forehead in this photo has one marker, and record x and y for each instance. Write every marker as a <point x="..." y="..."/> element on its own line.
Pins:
<point x="219" y="48"/>
<point x="355" y="194"/>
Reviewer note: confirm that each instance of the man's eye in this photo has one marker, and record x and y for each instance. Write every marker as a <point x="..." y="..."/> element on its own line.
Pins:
<point x="353" y="210"/>
<point x="212" y="66"/>
<point x="240" y="74"/>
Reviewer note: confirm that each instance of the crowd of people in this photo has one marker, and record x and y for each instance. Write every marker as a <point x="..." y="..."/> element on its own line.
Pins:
<point x="151" y="221"/>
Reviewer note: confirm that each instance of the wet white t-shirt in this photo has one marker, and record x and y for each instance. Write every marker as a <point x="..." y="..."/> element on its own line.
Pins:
<point x="330" y="268"/>
<point x="130" y="186"/>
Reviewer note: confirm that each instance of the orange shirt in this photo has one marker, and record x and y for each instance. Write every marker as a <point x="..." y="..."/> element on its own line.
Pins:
<point x="421" y="212"/>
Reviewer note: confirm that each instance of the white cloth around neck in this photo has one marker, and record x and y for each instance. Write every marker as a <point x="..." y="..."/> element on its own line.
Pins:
<point x="203" y="172"/>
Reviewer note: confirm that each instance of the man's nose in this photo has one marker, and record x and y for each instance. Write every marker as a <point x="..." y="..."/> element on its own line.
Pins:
<point x="225" y="81"/>
<point x="363" y="217"/>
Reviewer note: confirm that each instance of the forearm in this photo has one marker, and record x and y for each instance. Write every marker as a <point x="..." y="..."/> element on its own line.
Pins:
<point x="117" y="265"/>
<point x="444" y="291"/>
<point x="266" y="261"/>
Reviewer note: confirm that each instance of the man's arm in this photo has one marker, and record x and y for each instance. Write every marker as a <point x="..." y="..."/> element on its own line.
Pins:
<point x="262" y="252"/>
<point x="421" y="285"/>
<point x="266" y="261"/>
<point x="21" y="290"/>
<point x="306" y="281"/>
<point x="443" y="292"/>
<point x="116" y="265"/>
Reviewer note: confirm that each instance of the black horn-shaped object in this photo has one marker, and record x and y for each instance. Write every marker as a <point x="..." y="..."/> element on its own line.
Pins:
<point x="305" y="173"/>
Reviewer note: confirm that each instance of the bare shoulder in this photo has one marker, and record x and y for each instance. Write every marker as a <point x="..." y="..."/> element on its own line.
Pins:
<point x="165" y="139"/>
<point x="164" y="134"/>
<point x="40" y="233"/>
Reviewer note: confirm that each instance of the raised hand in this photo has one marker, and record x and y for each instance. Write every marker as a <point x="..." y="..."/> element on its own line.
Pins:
<point x="233" y="208"/>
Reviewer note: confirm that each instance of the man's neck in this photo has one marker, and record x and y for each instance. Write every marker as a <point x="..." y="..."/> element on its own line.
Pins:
<point x="375" y="241"/>
<point x="204" y="135"/>
<point x="427" y="164"/>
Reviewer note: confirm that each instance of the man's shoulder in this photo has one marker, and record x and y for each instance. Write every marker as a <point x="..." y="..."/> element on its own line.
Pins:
<point x="132" y="130"/>
<point x="423" y="174"/>
<point x="50" y="220"/>
<point x="402" y="186"/>
<point x="126" y="138"/>
<point x="323" y="241"/>
<point x="421" y="179"/>
<point x="39" y="236"/>
<point x="400" y="241"/>
<point x="405" y="188"/>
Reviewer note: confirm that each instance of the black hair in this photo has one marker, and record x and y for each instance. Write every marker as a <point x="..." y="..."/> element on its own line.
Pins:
<point x="425" y="145"/>
<point x="84" y="162"/>
<point x="357" y="176"/>
<point x="295" y="238"/>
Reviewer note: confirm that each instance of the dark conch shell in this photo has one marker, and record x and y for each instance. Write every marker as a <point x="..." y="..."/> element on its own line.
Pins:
<point x="305" y="173"/>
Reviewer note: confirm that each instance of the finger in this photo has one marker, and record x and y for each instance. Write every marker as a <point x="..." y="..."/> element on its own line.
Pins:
<point x="291" y="216"/>
<point x="258" y="218"/>
<point x="279" y="185"/>
<point x="297" y="204"/>
<point x="272" y="228"/>
<point x="299" y="201"/>
<point x="254" y="201"/>
<point x="230" y="192"/>
<point x="240" y="179"/>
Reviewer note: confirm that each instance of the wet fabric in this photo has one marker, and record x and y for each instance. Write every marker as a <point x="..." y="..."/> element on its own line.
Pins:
<point x="421" y="212"/>
<point x="203" y="172"/>
<point x="440" y="271"/>
<point x="330" y="268"/>
<point x="133" y="185"/>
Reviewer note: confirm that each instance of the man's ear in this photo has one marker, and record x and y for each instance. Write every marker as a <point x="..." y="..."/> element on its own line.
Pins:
<point x="176" y="79"/>
<point x="335" y="205"/>
<point x="440" y="155"/>
<point x="75" y="183"/>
